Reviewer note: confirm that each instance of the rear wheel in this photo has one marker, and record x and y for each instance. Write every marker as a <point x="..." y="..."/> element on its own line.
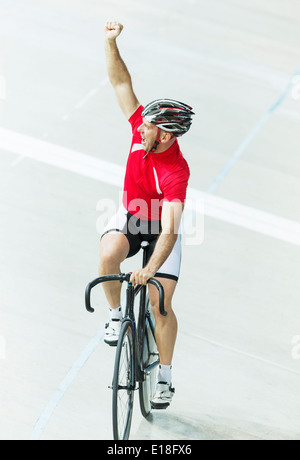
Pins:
<point x="123" y="384"/>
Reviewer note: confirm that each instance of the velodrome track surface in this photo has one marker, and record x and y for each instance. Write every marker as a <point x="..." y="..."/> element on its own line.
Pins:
<point x="63" y="149"/>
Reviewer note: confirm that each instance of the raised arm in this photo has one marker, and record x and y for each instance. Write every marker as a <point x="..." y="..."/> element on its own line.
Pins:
<point x="117" y="71"/>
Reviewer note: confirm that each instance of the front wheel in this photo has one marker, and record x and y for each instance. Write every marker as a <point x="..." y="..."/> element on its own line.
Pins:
<point x="123" y="384"/>
<point x="150" y="361"/>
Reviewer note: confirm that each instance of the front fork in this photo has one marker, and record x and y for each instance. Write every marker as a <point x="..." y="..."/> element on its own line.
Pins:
<point x="140" y="337"/>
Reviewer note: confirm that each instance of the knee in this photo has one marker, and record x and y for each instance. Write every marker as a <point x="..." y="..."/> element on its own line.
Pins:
<point x="107" y="254"/>
<point x="114" y="248"/>
<point x="156" y="312"/>
<point x="108" y="259"/>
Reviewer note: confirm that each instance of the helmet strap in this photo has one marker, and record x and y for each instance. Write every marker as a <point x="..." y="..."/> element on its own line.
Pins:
<point x="157" y="142"/>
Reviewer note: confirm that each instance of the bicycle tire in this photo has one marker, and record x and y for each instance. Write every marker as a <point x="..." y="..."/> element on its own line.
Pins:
<point x="123" y="383"/>
<point x="150" y="362"/>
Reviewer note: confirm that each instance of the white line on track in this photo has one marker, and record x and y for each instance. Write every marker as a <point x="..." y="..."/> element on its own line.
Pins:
<point x="113" y="174"/>
<point x="92" y="93"/>
<point x="86" y="98"/>
<point x="243" y="353"/>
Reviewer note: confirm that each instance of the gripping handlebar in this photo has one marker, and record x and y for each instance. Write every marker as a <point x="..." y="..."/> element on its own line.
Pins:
<point x="161" y="292"/>
<point x="124" y="277"/>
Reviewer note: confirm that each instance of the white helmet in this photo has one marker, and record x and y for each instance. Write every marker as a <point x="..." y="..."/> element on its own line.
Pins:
<point x="170" y="115"/>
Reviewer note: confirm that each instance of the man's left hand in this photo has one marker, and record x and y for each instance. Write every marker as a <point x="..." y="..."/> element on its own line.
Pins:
<point x="141" y="276"/>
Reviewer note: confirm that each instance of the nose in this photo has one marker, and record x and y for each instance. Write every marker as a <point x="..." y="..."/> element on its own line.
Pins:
<point x="140" y="128"/>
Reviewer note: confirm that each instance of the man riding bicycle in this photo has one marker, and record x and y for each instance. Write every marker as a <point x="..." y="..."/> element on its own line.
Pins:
<point x="155" y="187"/>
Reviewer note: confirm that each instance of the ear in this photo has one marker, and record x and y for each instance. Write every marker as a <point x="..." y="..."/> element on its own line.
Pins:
<point x="165" y="136"/>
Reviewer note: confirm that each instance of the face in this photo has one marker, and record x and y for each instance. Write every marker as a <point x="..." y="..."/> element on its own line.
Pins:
<point x="148" y="132"/>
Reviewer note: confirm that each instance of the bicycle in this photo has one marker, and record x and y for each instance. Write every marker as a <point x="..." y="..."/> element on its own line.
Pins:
<point x="137" y="358"/>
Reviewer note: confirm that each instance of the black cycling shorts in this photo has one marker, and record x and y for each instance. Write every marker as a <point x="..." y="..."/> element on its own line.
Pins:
<point x="137" y="231"/>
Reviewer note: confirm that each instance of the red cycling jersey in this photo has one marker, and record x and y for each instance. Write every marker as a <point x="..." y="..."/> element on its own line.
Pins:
<point x="152" y="179"/>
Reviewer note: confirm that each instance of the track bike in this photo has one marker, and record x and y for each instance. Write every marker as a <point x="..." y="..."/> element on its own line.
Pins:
<point x="137" y="358"/>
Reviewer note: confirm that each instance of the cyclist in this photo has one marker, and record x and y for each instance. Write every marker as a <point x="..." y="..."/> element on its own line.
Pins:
<point x="155" y="187"/>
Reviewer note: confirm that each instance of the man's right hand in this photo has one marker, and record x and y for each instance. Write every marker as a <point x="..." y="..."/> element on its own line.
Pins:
<point x="112" y="30"/>
<point x="117" y="71"/>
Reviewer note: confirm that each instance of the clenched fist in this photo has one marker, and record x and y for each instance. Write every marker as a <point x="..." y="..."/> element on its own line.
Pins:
<point x="112" y="30"/>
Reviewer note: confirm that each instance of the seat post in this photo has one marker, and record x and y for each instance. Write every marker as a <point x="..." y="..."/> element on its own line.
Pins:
<point x="145" y="245"/>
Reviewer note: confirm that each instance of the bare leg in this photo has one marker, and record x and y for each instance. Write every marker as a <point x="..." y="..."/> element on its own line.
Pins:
<point x="114" y="248"/>
<point x="165" y="326"/>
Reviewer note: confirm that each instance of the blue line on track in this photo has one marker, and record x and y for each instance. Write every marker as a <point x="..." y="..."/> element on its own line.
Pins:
<point x="246" y="142"/>
<point x="45" y="416"/>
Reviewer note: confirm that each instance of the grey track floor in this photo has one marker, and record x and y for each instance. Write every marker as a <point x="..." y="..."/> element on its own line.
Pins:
<point x="63" y="149"/>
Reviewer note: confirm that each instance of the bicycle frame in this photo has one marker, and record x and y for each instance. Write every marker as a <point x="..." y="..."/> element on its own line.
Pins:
<point x="131" y="293"/>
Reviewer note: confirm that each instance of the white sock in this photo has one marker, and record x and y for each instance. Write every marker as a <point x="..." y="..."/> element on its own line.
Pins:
<point x="164" y="374"/>
<point x="115" y="313"/>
